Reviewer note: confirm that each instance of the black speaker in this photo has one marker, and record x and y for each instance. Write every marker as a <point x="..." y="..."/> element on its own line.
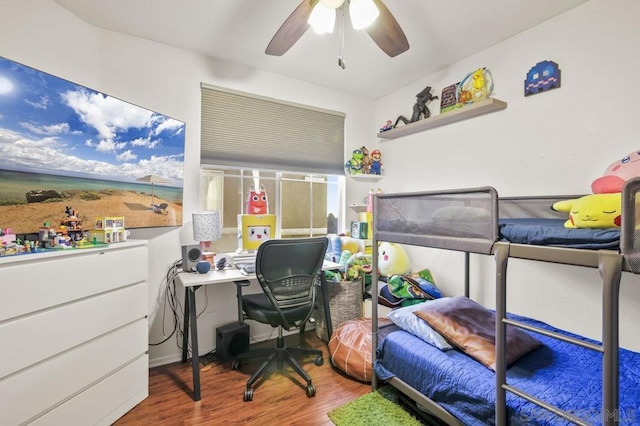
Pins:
<point x="231" y="340"/>
<point x="190" y="256"/>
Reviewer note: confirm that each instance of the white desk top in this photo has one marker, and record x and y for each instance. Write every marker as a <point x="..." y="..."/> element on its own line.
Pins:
<point x="231" y="274"/>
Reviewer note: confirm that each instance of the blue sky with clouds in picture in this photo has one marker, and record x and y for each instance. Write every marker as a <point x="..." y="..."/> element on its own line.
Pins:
<point x="50" y="125"/>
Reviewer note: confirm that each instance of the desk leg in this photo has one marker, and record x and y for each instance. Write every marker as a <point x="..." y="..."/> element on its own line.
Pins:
<point x="185" y="326"/>
<point x="195" y="356"/>
<point x="325" y="298"/>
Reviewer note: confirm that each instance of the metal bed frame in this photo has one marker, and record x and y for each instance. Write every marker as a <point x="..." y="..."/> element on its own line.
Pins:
<point x="611" y="263"/>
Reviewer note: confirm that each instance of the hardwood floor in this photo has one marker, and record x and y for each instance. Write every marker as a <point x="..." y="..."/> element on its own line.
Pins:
<point x="280" y="399"/>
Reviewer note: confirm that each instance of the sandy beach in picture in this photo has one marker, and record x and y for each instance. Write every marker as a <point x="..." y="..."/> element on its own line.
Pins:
<point x="89" y="205"/>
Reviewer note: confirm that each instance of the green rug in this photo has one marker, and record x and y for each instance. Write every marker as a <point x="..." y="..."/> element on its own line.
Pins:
<point x="373" y="409"/>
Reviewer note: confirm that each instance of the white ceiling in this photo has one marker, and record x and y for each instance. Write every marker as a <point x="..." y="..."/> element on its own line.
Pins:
<point x="440" y="32"/>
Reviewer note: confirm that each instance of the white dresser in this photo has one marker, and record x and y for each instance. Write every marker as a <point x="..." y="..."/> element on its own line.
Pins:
<point x="73" y="335"/>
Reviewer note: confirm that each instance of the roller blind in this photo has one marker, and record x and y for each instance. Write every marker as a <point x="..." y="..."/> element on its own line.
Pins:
<point x="246" y="130"/>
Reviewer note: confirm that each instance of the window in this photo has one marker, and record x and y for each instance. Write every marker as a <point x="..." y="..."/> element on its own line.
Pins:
<point x="304" y="204"/>
<point x="241" y="130"/>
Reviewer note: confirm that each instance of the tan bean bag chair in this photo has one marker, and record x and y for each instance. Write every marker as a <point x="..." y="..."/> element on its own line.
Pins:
<point x="350" y="347"/>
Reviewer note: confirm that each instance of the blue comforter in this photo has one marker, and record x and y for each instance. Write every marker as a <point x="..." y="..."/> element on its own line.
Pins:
<point x="562" y="374"/>
<point x="551" y="232"/>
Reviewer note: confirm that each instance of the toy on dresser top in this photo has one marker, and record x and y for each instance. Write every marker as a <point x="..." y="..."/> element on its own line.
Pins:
<point x="8" y="244"/>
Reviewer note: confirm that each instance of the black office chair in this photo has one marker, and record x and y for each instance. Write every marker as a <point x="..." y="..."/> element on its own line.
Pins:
<point x="288" y="270"/>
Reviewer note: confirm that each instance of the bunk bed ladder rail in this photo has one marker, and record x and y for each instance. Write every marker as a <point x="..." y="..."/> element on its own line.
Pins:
<point x="610" y="267"/>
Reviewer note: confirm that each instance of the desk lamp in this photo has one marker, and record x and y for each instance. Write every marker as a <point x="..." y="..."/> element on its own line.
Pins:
<point x="206" y="228"/>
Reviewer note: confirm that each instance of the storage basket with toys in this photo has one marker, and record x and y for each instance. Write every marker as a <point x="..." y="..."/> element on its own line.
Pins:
<point x="345" y="287"/>
<point x="350" y="346"/>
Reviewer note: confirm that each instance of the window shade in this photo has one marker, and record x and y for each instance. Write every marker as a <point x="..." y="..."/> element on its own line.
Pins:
<point x="246" y="130"/>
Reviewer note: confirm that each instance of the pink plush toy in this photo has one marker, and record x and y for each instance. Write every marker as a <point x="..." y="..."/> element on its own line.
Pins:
<point x="617" y="174"/>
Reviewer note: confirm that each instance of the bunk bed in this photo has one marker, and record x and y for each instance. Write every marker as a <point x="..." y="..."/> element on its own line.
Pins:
<point x="553" y="384"/>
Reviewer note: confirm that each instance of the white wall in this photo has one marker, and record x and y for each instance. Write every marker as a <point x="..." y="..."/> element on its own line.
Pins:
<point x="43" y="35"/>
<point x="551" y="143"/>
<point x="556" y="142"/>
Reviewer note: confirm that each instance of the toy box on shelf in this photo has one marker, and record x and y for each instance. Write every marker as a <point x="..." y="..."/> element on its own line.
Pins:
<point x="108" y="230"/>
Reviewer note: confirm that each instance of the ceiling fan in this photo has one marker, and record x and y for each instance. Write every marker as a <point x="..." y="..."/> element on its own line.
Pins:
<point x="384" y="31"/>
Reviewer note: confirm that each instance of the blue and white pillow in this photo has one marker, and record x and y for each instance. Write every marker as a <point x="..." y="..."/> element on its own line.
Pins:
<point x="406" y="320"/>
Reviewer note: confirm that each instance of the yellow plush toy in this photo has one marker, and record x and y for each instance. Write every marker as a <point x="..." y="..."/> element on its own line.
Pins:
<point x="392" y="260"/>
<point x="592" y="211"/>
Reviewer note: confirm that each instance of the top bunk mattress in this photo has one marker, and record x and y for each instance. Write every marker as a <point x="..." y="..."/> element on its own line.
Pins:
<point x="551" y="232"/>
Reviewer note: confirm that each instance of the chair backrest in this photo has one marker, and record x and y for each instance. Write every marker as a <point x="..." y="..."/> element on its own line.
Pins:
<point x="288" y="269"/>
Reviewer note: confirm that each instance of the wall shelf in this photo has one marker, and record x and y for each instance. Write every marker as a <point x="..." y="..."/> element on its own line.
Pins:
<point x="363" y="177"/>
<point x="459" y="114"/>
<point x="358" y="208"/>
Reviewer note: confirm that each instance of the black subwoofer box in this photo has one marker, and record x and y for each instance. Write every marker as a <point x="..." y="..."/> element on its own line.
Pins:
<point x="231" y="340"/>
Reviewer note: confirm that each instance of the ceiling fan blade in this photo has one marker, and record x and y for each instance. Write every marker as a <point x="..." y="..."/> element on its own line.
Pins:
<point x="292" y="29"/>
<point x="386" y="32"/>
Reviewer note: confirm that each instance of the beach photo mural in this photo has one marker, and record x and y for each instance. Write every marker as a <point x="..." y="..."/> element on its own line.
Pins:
<point x="64" y="146"/>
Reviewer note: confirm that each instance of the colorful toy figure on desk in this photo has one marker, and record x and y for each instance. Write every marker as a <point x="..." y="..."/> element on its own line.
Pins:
<point x="257" y="201"/>
<point x="376" y="164"/>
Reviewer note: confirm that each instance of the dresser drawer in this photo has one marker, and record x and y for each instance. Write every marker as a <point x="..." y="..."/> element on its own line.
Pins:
<point x="42" y="283"/>
<point x="52" y="331"/>
<point x="125" y="388"/>
<point x="44" y="386"/>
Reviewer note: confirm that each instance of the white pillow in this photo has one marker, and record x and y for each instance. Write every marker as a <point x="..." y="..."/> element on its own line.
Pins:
<point x="406" y="320"/>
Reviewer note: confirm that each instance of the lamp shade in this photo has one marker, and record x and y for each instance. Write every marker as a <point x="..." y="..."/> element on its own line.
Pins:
<point x="206" y="225"/>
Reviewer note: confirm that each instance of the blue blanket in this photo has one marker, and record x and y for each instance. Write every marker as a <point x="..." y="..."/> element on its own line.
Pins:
<point x="551" y="232"/>
<point x="560" y="373"/>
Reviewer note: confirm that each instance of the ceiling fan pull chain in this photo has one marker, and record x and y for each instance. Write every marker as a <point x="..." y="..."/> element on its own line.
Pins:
<point x="341" y="62"/>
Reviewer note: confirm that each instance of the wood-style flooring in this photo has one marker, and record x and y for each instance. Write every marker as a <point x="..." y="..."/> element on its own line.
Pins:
<point x="280" y="399"/>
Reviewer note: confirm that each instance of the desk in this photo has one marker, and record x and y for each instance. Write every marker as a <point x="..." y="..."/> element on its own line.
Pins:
<point x="193" y="281"/>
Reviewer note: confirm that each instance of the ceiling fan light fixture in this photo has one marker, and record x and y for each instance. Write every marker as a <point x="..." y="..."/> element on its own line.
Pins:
<point x="363" y="13"/>
<point x="322" y="19"/>
<point x="332" y="4"/>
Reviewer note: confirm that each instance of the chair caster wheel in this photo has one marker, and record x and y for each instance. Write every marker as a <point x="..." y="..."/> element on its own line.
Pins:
<point x="311" y="391"/>
<point x="248" y="394"/>
<point x="235" y="365"/>
<point x="319" y="361"/>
